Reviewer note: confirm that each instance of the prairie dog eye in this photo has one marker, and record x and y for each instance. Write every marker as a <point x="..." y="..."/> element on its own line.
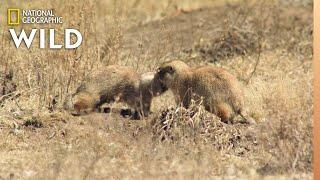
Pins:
<point x="161" y="73"/>
<point x="169" y="69"/>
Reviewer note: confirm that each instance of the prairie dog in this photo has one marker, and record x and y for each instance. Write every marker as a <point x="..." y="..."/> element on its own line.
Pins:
<point x="115" y="83"/>
<point x="221" y="92"/>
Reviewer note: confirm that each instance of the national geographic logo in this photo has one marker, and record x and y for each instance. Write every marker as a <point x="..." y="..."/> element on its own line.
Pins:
<point x="13" y="16"/>
<point x="32" y="16"/>
<point x="47" y="38"/>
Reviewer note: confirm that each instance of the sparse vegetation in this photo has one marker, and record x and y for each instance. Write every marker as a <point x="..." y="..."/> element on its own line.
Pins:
<point x="267" y="45"/>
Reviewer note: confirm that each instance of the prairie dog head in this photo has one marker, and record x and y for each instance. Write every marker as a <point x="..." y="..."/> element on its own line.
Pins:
<point x="169" y="73"/>
<point x="152" y="85"/>
<point x="149" y="87"/>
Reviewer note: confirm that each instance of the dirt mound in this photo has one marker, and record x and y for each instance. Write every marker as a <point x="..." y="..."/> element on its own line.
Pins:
<point x="232" y="42"/>
<point x="195" y="124"/>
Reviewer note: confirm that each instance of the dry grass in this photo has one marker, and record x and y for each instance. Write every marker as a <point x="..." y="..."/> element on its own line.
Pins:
<point x="267" y="45"/>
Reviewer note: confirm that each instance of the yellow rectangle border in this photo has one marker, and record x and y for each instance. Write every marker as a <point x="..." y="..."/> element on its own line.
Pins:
<point x="10" y="10"/>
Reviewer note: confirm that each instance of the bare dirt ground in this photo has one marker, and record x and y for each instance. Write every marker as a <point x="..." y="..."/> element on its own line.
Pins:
<point x="267" y="46"/>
